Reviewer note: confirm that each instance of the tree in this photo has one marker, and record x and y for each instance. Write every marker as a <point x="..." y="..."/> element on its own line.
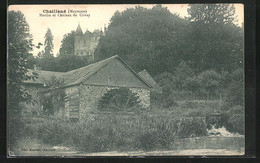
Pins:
<point x="209" y="82"/>
<point x="212" y="13"/>
<point x="233" y="110"/>
<point x="234" y="93"/>
<point x="67" y="44"/>
<point x="48" y="44"/>
<point x="182" y="75"/>
<point x="66" y="63"/>
<point x="144" y="38"/>
<point x="19" y="45"/>
<point x="216" y="42"/>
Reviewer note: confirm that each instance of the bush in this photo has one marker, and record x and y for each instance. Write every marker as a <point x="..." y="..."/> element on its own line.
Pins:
<point x="169" y="102"/>
<point x="54" y="133"/>
<point x="162" y="101"/>
<point x="234" y="120"/>
<point x="192" y="127"/>
<point x="236" y="123"/>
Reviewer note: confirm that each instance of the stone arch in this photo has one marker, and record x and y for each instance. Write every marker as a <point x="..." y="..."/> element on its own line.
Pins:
<point x="118" y="99"/>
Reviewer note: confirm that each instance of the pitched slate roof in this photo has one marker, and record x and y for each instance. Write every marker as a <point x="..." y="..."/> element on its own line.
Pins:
<point x="80" y="75"/>
<point x="43" y="76"/>
<point x="155" y="87"/>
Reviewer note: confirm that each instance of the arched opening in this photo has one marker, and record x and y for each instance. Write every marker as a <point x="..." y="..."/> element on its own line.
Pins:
<point x="119" y="99"/>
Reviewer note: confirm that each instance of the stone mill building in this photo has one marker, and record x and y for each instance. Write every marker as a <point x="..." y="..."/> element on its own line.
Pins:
<point x="84" y="87"/>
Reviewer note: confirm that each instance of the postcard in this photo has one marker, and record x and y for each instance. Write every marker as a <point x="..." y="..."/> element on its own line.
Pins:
<point x="126" y="80"/>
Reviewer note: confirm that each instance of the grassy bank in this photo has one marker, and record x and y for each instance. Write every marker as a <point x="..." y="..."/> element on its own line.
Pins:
<point x="143" y="129"/>
<point x="111" y="131"/>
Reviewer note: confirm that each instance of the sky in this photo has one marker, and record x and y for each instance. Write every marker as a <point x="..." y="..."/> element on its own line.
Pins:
<point x="96" y="17"/>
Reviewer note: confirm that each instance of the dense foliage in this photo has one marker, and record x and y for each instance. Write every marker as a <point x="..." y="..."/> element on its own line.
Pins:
<point x="110" y="131"/>
<point x="145" y="38"/>
<point x="158" y="40"/>
<point x="62" y="63"/>
<point x="65" y="60"/>
<point x="19" y="46"/>
<point x="67" y="44"/>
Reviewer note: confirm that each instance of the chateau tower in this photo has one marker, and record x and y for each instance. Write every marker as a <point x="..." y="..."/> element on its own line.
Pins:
<point x="86" y="43"/>
<point x="77" y="37"/>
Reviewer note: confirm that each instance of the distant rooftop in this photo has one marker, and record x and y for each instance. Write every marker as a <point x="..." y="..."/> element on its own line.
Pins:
<point x="79" y="31"/>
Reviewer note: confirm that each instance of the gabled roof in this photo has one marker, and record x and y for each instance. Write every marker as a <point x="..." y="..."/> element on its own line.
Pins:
<point x="80" y="75"/>
<point x="155" y="87"/>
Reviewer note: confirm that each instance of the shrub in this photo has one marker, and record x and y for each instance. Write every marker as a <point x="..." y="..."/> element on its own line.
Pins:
<point x="166" y="131"/>
<point x="192" y="127"/>
<point x="236" y="123"/>
<point x="95" y="140"/>
<point x="54" y="132"/>
<point x="169" y="102"/>
<point x="234" y="119"/>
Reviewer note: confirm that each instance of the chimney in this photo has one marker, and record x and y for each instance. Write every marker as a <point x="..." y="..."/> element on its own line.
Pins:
<point x="36" y="68"/>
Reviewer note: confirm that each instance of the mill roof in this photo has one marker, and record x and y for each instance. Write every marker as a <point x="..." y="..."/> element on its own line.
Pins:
<point x="42" y="76"/>
<point x="155" y="87"/>
<point x="80" y="75"/>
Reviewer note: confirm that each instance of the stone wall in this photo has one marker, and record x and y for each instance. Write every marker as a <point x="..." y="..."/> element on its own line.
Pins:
<point x="90" y="95"/>
<point x="69" y="92"/>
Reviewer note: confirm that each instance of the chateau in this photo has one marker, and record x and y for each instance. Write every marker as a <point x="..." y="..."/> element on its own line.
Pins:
<point x="86" y="43"/>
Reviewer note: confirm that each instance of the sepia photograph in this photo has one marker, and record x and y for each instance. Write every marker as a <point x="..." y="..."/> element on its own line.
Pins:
<point x="125" y="80"/>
